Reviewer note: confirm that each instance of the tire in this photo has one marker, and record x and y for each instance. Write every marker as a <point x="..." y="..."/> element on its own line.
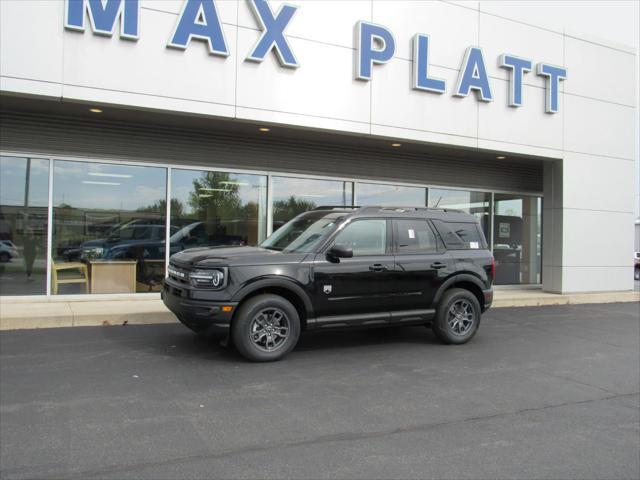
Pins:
<point x="4" y="257"/>
<point x="636" y="273"/>
<point x="265" y="328"/>
<point x="457" y="330"/>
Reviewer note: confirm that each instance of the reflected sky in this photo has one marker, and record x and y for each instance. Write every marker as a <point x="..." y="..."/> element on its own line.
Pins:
<point x="391" y="195"/>
<point x="467" y="201"/>
<point x="101" y="186"/>
<point x="320" y="192"/>
<point x="13" y="178"/>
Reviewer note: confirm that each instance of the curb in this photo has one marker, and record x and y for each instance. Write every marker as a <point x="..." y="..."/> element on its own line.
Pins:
<point x="53" y="313"/>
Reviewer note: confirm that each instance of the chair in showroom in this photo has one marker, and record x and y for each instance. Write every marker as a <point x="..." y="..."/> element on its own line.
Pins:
<point x="69" y="272"/>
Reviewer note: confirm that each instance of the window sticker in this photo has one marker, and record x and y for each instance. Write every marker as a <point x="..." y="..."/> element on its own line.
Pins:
<point x="412" y="233"/>
<point x="504" y="230"/>
<point x="474" y="245"/>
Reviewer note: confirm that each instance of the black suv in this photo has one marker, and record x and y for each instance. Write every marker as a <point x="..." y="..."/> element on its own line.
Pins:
<point x="338" y="267"/>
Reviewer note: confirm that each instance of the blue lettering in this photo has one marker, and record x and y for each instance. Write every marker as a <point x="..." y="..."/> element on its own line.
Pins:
<point x="199" y="19"/>
<point x="518" y="66"/>
<point x="366" y="55"/>
<point x="473" y="76"/>
<point x="421" y="79"/>
<point x="103" y="16"/>
<point x="272" y="37"/>
<point x="553" y="76"/>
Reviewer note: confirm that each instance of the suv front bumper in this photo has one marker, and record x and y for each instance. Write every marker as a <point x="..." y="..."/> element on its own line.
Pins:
<point x="200" y="316"/>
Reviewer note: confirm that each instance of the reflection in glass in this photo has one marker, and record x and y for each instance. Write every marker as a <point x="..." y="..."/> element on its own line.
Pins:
<point x="292" y="196"/>
<point x="24" y="196"/>
<point x="475" y="203"/>
<point x="391" y="195"/>
<point x="217" y="208"/>
<point x="108" y="228"/>
<point x="303" y="233"/>
<point x="517" y="239"/>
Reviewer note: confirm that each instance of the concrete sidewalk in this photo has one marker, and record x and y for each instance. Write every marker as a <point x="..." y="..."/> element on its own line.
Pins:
<point x="26" y="313"/>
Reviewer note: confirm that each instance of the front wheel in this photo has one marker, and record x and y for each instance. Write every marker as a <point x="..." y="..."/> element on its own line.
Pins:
<point x="636" y="273"/>
<point x="457" y="317"/>
<point x="266" y="328"/>
<point x="4" y="257"/>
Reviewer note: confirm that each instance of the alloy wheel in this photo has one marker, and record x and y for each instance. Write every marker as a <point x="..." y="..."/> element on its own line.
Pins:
<point x="461" y="317"/>
<point x="269" y="329"/>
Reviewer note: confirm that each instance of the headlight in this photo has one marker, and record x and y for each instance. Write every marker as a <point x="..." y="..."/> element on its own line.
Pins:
<point x="214" y="279"/>
<point x="92" y="253"/>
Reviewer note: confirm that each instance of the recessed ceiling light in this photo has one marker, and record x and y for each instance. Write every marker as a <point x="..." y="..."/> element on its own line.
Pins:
<point x="91" y="182"/>
<point x="501" y="157"/>
<point x="396" y="145"/>
<point x="116" y="175"/>
<point x="264" y="129"/>
<point x="95" y="110"/>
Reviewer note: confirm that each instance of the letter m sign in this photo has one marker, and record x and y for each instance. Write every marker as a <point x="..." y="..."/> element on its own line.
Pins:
<point x="103" y="15"/>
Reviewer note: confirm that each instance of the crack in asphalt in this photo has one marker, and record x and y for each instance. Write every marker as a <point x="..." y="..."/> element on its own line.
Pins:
<point x="336" y="437"/>
<point x="570" y="379"/>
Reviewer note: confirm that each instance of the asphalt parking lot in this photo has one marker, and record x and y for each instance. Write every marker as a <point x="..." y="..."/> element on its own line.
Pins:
<point x="549" y="392"/>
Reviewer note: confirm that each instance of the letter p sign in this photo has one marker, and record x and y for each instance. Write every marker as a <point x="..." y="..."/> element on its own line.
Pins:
<point x="374" y="44"/>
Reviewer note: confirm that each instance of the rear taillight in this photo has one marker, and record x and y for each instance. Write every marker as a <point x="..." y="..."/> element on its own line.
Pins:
<point x="493" y="268"/>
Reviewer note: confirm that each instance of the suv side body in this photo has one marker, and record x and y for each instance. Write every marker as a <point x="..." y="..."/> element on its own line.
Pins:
<point x="401" y="262"/>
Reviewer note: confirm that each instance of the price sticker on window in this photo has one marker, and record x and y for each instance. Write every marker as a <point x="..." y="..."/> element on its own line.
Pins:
<point x="412" y="233"/>
<point x="474" y="245"/>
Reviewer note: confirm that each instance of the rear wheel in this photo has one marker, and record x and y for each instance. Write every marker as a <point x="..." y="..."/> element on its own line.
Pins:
<point x="266" y="328"/>
<point x="457" y="317"/>
<point x="4" y="257"/>
<point x="636" y="273"/>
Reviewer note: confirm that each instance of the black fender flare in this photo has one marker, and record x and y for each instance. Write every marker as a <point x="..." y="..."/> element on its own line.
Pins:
<point x="280" y="282"/>
<point x="460" y="277"/>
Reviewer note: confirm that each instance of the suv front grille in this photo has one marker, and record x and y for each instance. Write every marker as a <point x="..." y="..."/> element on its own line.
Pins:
<point x="178" y="275"/>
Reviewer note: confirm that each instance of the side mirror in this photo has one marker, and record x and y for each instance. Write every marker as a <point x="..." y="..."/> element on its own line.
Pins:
<point x="340" y="251"/>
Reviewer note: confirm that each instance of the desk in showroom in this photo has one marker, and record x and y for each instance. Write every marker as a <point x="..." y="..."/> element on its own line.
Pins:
<point x="117" y="276"/>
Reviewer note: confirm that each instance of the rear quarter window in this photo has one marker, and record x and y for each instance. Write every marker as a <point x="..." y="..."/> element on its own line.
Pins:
<point x="461" y="236"/>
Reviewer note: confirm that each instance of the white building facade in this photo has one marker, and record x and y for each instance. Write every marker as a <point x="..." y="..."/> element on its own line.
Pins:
<point x="134" y="129"/>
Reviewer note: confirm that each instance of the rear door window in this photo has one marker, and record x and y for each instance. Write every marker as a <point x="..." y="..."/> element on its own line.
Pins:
<point x="415" y="236"/>
<point x="461" y="235"/>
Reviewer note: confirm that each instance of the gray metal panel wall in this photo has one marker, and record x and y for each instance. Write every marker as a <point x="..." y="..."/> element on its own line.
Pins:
<point x="61" y="135"/>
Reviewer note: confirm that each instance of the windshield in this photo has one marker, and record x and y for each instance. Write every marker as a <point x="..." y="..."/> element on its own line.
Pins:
<point x="303" y="233"/>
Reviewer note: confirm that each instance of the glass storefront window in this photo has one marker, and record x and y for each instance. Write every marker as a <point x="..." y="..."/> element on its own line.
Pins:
<point x="391" y="195"/>
<point x="24" y="198"/>
<point x="109" y="220"/>
<point x="217" y="208"/>
<point x="475" y="203"/>
<point x="517" y="240"/>
<point x="108" y="228"/>
<point x="292" y="196"/>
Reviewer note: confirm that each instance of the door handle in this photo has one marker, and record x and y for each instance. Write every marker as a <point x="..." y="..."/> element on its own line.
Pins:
<point x="378" y="267"/>
<point x="438" y="265"/>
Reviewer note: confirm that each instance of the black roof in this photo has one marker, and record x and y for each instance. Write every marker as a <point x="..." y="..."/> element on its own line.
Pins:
<point x="446" y="214"/>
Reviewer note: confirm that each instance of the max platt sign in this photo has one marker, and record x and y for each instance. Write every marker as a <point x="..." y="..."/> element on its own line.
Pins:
<point x="374" y="45"/>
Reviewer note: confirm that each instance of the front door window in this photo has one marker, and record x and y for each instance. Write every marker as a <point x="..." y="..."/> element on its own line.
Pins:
<point x="364" y="237"/>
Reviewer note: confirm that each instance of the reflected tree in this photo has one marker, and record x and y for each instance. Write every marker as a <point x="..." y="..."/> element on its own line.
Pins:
<point x="285" y="210"/>
<point x="177" y="207"/>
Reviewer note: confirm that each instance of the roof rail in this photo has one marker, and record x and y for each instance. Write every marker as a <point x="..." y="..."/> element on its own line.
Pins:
<point x="337" y="207"/>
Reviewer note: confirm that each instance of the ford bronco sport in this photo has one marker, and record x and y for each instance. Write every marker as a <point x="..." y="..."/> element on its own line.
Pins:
<point x="338" y="267"/>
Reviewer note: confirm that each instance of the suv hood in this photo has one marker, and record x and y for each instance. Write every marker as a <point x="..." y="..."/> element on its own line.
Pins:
<point x="232" y="256"/>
